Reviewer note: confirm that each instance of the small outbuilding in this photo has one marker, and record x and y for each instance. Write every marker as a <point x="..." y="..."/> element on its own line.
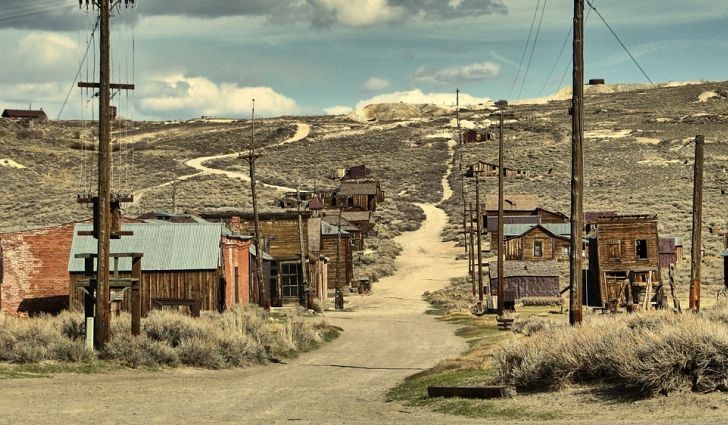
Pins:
<point x="25" y="115"/>
<point x="526" y="279"/>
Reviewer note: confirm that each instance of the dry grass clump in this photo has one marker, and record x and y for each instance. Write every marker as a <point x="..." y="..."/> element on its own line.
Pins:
<point x="535" y="324"/>
<point x="650" y="352"/>
<point x="238" y="337"/>
<point x="542" y="301"/>
<point x="455" y="297"/>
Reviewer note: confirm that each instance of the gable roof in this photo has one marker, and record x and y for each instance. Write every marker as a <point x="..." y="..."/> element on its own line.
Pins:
<point x="514" y="268"/>
<point x="558" y="230"/>
<point x="329" y="230"/>
<point x="515" y="202"/>
<point x="166" y="246"/>
<point x="24" y="113"/>
<point x="358" y="187"/>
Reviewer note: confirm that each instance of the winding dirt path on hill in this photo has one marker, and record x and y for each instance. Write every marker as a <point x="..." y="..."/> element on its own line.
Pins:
<point x="302" y="131"/>
<point x="386" y="338"/>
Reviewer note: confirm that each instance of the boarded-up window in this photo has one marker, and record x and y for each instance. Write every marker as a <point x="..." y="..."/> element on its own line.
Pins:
<point x="640" y="247"/>
<point x="613" y="251"/>
<point x="538" y="248"/>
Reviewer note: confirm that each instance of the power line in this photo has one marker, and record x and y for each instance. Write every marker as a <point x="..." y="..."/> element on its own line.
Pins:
<point x="568" y="65"/>
<point x="533" y="48"/>
<point x="32" y="12"/>
<point x="525" y="49"/>
<point x="80" y="67"/>
<point x="558" y="59"/>
<point x="620" y="41"/>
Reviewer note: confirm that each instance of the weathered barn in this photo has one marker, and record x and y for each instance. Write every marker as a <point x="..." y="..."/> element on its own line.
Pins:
<point x="540" y="242"/>
<point x="183" y="261"/>
<point x="34" y="270"/>
<point x="361" y="195"/>
<point x="25" y="114"/>
<point x="624" y="261"/>
<point x="526" y="279"/>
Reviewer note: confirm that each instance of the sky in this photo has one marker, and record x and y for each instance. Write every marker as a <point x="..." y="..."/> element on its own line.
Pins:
<point x="190" y="58"/>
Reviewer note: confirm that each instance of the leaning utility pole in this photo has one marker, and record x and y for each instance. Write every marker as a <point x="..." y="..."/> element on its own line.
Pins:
<point x="501" y="251"/>
<point x="263" y="296"/>
<point x="577" y="167"/>
<point x="302" y="296"/>
<point x="697" y="243"/>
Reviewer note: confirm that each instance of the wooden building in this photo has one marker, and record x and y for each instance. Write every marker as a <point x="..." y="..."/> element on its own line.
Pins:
<point x="345" y="265"/>
<point x="361" y="195"/>
<point x="671" y="252"/>
<point x="360" y="224"/>
<point x="540" y="242"/>
<point x="475" y="136"/>
<point x="526" y="279"/>
<point x="624" y="262"/>
<point x="25" y="115"/>
<point x="488" y="169"/>
<point x="183" y="261"/>
<point x="280" y="239"/>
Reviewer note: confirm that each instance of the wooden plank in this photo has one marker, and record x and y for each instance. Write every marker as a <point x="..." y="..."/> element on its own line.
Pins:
<point x="485" y="392"/>
<point x="112" y="86"/>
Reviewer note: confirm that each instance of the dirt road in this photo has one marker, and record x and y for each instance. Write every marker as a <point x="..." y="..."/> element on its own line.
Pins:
<point x="386" y="338"/>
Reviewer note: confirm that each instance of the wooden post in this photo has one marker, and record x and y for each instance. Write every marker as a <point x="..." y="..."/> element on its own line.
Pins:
<point x="302" y="296"/>
<point x="479" y="230"/>
<point x="501" y="238"/>
<point x="136" y="295"/>
<point x="263" y="293"/>
<point x="577" y="167"/>
<point x="697" y="225"/>
<point x="102" y="320"/>
<point x="460" y="162"/>
<point x="471" y="253"/>
<point x="338" y="294"/>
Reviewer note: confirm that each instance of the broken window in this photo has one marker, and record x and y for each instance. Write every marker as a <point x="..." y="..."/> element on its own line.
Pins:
<point x="640" y="246"/>
<point x="613" y="251"/>
<point x="538" y="248"/>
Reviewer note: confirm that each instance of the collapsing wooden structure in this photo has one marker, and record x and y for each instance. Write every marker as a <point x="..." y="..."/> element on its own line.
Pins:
<point x="526" y="279"/>
<point x="624" y="263"/>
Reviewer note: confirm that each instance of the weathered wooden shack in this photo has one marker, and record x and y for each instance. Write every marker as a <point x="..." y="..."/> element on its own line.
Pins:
<point x="25" y="115"/>
<point x="182" y="261"/>
<point x="526" y="279"/>
<point x="345" y="266"/>
<point x="624" y="263"/>
<point x="488" y="169"/>
<point x="359" y="223"/>
<point x="474" y="136"/>
<point x="361" y="195"/>
<point x="671" y="252"/>
<point x="540" y="242"/>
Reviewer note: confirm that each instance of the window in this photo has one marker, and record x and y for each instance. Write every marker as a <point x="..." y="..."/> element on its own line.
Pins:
<point x="290" y="279"/>
<point x="640" y="248"/>
<point x="613" y="249"/>
<point x="565" y="251"/>
<point x="538" y="248"/>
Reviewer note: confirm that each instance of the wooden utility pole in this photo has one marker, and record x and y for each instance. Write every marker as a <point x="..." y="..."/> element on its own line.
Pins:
<point x="338" y="294"/>
<point x="102" y="318"/>
<point x="697" y="241"/>
<point x="263" y="293"/>
<point x="303" y="293"/>
<point x="501" y="251"/>
<point x="577" y="167"/>
<point x="460" y="163"/>
<point x="479" y="229"/>
<point x="471" y="251"/>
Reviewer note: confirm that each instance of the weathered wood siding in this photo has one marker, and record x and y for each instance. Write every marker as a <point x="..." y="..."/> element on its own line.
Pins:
<point x="518" y="287"/>
<point x="285" y="243"/>
<point x="345" y="265"/>
<point x="203" y="285"/>
<point x="522" y="248"/>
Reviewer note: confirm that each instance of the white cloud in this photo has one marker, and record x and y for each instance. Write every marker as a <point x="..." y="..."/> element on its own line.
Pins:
<point x="458" y="74"/>
<point x="338" y="110"/>
<point x="359" y="13"/>
<point x="416" y="96"/>
<point x="376" y="84"/>
<point x="193" y="96"/>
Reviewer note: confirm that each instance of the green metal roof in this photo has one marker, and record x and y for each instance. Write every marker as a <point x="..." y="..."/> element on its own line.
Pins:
<point x="329" y="230"/>
<point x="560" y="229"/>
<point x="266" y="256"/>
<point x="166" y="246"/>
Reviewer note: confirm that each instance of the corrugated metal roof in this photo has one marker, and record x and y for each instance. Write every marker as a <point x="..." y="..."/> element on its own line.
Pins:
<point x="166" y="246"/>
<point x="560" y="229"/>
<point x="266" y="256"/>
<point x="329" y="230"/>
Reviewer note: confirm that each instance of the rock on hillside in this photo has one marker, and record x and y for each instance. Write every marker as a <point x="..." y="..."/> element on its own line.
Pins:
<point x="396" y="111"/>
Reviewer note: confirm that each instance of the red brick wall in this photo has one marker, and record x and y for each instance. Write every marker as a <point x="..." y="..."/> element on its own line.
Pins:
<point x="236" y="253"/>
<point x="34" y="276"/>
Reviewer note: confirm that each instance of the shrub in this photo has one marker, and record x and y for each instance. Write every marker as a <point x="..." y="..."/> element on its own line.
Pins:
<point x="200" y="352"/>
<point x="72" y="325"/>
<point x="542" y="301"/>
<point x="172" y="328"/>
<point x="73" y="351"/>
